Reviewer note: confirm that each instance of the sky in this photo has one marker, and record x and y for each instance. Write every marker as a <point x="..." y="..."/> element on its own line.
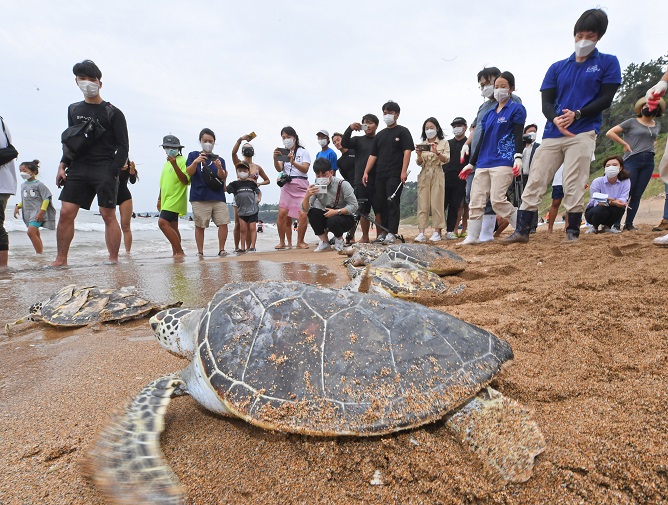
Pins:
<point x="236" y="67"/>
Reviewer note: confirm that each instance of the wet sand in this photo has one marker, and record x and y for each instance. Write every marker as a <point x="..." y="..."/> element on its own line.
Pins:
<point x="587" y="324"/>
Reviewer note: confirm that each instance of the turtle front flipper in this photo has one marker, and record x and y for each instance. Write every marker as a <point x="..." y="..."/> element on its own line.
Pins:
<point x="126" y="463"/>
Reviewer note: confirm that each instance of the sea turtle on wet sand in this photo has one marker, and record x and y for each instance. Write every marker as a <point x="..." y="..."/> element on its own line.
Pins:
<point x="403" y="281"/>
<point x="82" y="305"/>
<point x="432" y="258"/>
<point x="303" y="359"/>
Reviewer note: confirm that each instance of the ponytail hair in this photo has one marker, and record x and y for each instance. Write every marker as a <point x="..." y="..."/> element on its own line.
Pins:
<point x="33" y="166"/>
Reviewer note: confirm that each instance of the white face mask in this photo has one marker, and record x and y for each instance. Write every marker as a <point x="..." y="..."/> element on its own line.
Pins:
<point x="388" y="119"/>
<point x="171" y="152"/>
<point x="458" y="130"/>
<point x="584" y="48"/>
<point x="288" y="142"/>
<point x="611" y="171"/>
<point x="501" y="94"/>
<point x="207" y="147"/>
<point x="242" y="175"/>
<point x="430" y="133"/>
<point x="25" y="176"/>
<point x="88" y="88"/>
<point x="487" y="91"/>
<point x="532" y="136"/>
<point x="323" y="142"/>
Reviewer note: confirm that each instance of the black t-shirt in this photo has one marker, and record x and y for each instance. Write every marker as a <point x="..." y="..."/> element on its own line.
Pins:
<point x="111" y="149"/>
<point x="346" y="166"/>
<point x="455" y="154"/>
<point x="389" y="146"/>
<point x="362" y="145"/>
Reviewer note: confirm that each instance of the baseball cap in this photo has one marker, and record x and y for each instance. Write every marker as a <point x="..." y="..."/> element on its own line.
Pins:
<point x="458" y="120"/>
<point x="170" y="141"/>
<point x="323" y="132"/>
<point x="243" y="165"/>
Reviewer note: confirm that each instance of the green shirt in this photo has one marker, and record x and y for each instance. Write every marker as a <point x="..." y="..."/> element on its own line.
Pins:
<point x="173" y="193"/>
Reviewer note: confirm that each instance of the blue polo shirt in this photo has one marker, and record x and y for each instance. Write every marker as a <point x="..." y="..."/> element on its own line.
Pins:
<point x="498" y="143"/>
<point x="199" y="191"/>
<point x="577" y="84"/>
<point x="330" y="155"/>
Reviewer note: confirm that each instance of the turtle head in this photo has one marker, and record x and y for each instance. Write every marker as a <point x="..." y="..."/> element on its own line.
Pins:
<point x="176" y="330"/>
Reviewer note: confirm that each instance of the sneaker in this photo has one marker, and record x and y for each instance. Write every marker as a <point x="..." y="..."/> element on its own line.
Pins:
<point x="252" y="249"/>
<point x="436" y="237"/>
<point x="592" y="229"/>
<point x="450" y="236"/>
<point x="421" y="237"/>
<point x="611" y="229"/>
<point x="379" y="240"/>
<point x="338" y="244"/>
<point x="630" y="227"/>
<point x="389" y="239"/>
<point x="663" y="226"/>
<point x="323" y="246"/>
<point x="661" y="241"/>
<point x="222" y="253"/>
<point x="461" y="235"/>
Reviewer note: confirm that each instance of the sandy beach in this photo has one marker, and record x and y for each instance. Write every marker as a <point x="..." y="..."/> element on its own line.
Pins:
<point x="587" y="324"/>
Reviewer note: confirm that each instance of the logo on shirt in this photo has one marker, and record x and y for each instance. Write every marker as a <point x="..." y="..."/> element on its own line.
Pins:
<point x="593" y="68"/>
<point x="501" y="120"/>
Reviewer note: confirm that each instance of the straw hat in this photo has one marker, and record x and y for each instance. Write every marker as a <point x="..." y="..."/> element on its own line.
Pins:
<point x="641" y="103"/>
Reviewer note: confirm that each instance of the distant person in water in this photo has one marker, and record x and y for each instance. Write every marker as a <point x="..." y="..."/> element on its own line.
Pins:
<point x="35" y="206"/>
<point x="124" y="201"/>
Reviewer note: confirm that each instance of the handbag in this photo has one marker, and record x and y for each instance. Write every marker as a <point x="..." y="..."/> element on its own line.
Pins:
<point x="78" y="138"/>
<point x="8" y="153"/>
<point x="211" y="179"/>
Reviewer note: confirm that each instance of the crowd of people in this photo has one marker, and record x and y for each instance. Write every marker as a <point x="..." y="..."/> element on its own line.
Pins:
<point x="493" y="178"/>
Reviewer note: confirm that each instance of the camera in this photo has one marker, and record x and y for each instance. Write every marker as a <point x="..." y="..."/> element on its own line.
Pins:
<point x="364" y="127"/>
<point x="212" y="157"/>
<point x="527" y="138"/>
<point x="283" y="180"/>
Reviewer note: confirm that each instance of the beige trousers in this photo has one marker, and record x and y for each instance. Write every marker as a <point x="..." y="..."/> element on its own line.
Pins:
<point x="491" y="183"/>
<point x="431" y="195"/>
<point x="575" y="153"/>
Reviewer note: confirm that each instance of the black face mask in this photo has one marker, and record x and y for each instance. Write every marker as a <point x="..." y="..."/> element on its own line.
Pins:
<point x="248" y="151"/>
<point x="649" y="113"/>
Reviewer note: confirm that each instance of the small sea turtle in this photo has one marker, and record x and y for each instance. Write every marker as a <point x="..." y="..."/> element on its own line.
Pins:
<point x="81" y="305"/>
<point x="435" y="259"/>
<point x="403" y="281"/>
<point x="302" y="359"/>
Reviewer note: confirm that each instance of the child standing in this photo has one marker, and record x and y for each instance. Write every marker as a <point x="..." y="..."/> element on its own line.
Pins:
<point x="247" y="197"/>
<point x="173" y="198"/>
<point x="36" y="206"/>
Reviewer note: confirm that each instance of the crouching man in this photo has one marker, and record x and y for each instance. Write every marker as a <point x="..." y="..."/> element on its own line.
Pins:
<point x="330" y="205"/>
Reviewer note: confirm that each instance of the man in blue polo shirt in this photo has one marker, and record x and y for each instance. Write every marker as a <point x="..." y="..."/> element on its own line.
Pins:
<point x="326" y="151"/>
<point x="575" y="92"/>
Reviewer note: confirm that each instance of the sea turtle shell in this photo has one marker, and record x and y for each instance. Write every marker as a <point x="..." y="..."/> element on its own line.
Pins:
<point x="81" y="305"/>
<point x="300" y="358"/>
<point x="430" y="257"/>
<point x="404" y="281"/>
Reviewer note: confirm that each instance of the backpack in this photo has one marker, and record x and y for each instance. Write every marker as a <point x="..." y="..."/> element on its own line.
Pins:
<point x="77" y="139"/>
<point x="8" y="153"/>
<point x="211" y="179"/>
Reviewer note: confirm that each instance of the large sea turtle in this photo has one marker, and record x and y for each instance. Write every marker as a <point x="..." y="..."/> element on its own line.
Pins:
<point x="81" y="305"/>
<point x="406" y="280"/>
<point x="429" y="257"/>
<point x="303" y="359"/>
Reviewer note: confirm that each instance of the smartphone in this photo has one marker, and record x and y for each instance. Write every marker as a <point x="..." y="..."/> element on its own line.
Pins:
<point x="284" y="154"/>
<point x="252" y="135"/>
<point x="423" y="147"/>
<point x="364" y="127"/>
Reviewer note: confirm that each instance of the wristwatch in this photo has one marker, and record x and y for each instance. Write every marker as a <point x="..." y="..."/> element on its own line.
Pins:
<point x="338" y="212"/>
<point x="578" y="114"/>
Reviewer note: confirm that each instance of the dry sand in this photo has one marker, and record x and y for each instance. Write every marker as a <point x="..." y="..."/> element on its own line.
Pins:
<point x="587" y="323"/>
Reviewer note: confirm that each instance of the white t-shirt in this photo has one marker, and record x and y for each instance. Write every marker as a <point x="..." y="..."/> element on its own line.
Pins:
<point x="301" y="156"/>
<point x="558" y="176"/>
<point x="8" y="170"/>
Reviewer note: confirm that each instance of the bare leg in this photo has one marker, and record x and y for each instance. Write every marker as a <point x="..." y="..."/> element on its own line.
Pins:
<point x="33" y="234"/>
<point x="65" y="232"/>
<point x="301" y="230"/>
<point x="126" y="215"/>
<point x="199" y="240"/>
<point x="364" y="224"/>
<point x="465" y="219"/>
<point x="287" y="226"/>
<point x="171" y="231"/>
<point x="378" y="222"/>
<point x="4" y="256"/>
<point x="280" y="225"/>
<point x="243" y="232"/>
<point x="112" y="232"/>
<point x="252" y="233"/>
<point x="236" y="229"/>
<point x="552" y="214"/>
<point x="503" y="224"/>
<point x="222" y="237"/>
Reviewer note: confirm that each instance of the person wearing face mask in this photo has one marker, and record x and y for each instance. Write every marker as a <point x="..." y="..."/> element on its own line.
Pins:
<point x="497" y="158"/>
<point x="173" y="200"/>
<point x="256" y="171"/>
<point x="329" y="210"/>
<point x="455" y="188"/>
<point x="325" y="150"/>
<point x="615" y="184"/>
<point x="640" y="134"/>
<point x="94" y="171"/>
<point x="486" y="79"/>
<point x="575" y="92"/>
<point x="530" y="146"/>
<point x="35" y="206"/>
<point x="247" y="197"/>
<point x="390" y="155"/>
<point x="431" y="180"/>
<point x="208" y="203"/>
<point x="293" y="191"/>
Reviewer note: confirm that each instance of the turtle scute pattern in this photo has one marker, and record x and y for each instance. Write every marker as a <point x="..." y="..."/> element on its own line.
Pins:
<point x="305" y="359"/>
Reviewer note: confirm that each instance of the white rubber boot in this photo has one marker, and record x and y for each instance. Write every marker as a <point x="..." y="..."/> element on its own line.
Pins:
<point x="487" y="231"/>
<point x="472" y="233"/>
<point x="512" y="219"/>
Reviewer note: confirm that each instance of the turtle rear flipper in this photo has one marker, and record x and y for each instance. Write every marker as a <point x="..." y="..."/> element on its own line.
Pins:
<point x="501" y="432"/>
<point x="126" y="463"/>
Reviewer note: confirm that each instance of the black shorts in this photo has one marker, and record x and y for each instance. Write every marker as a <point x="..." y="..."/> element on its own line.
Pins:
<point x="249" y="219"/>
<point x="367" y="192"/>
<point x="123" y="194"/>
<point x="168" y="215"/>
<point x="84" y="183"/>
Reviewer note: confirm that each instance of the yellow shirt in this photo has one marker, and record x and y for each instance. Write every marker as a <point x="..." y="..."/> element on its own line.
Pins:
<point x="173" y="193"/>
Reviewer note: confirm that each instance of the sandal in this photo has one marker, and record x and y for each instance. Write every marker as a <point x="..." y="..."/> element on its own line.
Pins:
<point x="281" y="247"/>
<point x="200" y="255"/>
<point x="222" y="253"/>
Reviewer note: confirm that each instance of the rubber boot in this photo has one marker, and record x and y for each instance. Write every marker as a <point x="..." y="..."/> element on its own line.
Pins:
<point x="487" y="230"/>
<point x="524" y="219"/>
<point x="473" y="232"/>
<point x="573" y="229"/>
<point x="512" y="219"/>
